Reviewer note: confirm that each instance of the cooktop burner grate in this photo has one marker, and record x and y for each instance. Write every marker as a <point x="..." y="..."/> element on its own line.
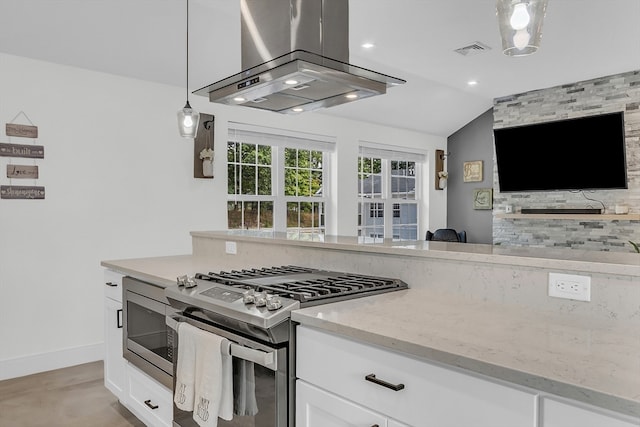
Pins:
<point x="306" y="285"/>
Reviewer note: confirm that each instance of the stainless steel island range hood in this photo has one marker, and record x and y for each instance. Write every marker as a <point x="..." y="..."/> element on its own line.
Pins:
<point x="295" y="57"/>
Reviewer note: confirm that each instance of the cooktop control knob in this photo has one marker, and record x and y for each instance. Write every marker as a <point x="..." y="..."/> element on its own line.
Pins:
<point x="274" y="303"/>
<point x="249" y="297"/>
<point x="261" y="299"/>
<point x="186" y="281"/>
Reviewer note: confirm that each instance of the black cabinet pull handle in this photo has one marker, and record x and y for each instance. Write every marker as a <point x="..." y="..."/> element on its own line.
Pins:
<point x="119" y="318"/>
<point x="150" y="405"/>
<point x="113" y="285"/>
<point x="375" y="425"/>
<point x="373" y="379"/>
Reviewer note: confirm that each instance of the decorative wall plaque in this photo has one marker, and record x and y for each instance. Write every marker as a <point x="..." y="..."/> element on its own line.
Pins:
<point x="472" y="171"/>
<point x="22" y="172"/>
<point x="21" y="192"/>
<point x="483" y="198"/>
<point x="24" y="131"/>
<point x="19" y="150"/>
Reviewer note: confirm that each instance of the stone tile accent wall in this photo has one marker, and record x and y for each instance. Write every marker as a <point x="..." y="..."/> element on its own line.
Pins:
<point x="620" y="92"/>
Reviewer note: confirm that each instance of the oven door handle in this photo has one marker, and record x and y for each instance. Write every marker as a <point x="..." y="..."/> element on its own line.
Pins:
<point x="267" y="359"/>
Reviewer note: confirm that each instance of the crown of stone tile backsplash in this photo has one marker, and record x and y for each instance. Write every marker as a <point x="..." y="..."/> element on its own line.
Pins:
<point x="620" y="92"/>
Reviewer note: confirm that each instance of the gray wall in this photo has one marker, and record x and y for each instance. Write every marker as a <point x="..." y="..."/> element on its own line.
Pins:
<point x="472" y="142"/>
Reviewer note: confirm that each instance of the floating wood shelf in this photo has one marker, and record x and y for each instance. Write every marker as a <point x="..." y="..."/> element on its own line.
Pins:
<point x="587" y="217"/>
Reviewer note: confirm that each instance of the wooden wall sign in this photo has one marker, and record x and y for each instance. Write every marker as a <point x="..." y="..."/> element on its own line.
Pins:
<point x="19" y="150"/>
<point x="21" y="192"/>
<point x="23" y="131"/>
<point x="22" y="172"/>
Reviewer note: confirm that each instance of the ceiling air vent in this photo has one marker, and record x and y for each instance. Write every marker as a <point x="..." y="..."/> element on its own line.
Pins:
<point x="472" y="49"/>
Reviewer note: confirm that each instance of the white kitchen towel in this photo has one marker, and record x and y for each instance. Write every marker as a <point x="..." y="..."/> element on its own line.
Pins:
<point x="213" y="396"/>
<point x="204" y="376"/>
<point x="186" y="367"/>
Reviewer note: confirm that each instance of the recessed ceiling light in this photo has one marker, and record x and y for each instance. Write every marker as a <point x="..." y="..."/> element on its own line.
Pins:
<point x="239" y="99"/>
<point x="298" y="109"/>
<point x="472" y="82"/>
<point x="291" y="82"/>
<point x="368" y="45"/>
<point x="351" y="96"/>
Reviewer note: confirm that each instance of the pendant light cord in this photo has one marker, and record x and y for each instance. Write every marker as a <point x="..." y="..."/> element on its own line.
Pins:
<point x="187" y="51"/>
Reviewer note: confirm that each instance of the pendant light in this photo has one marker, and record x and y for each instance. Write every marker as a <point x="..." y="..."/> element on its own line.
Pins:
<point x="188" y="118"/>
<point x="520" y="23"/>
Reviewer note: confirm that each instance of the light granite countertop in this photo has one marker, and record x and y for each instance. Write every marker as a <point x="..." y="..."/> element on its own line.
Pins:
<point x="594" y="363"/>
<point x="591" y="361"/>
<point x="620" y="263"/>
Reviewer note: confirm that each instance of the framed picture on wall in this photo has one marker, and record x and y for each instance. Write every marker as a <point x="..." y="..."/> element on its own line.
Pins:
<point x="472" y="171"/>
<point x="483" y="198"/>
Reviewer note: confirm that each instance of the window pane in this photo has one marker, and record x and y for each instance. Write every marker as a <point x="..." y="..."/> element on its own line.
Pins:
<point x="405" y="232"/>
<point x="234" y="215"/>
<point x="250" y="215"/>
<point x="290" y="157"/>
<point x="249" y="153"/>
<point x="231" y="152"/>
<point x="233" y="179"/>
<point x="316" y="183"/>
<point x="407" y="213"/>
<point x="248" y="182"/>
<point x="304" y="158"/>
<point x="370" y="178"/>
<point x="290" y="182"/>
<point x="316" y="159"/>
<point x="293" y="219"/>
<point x="264" y="155"/>
<point x="266" y="214"/>
<point x="264" y="180"/>
<point x="306" y="215"/>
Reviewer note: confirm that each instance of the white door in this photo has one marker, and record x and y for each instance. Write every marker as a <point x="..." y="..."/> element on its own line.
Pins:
<point x="317" y="408"/>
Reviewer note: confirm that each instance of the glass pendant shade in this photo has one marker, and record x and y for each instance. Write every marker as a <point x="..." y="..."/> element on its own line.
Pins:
<point x="520" y="23"/>
<point x="188" y="119"/>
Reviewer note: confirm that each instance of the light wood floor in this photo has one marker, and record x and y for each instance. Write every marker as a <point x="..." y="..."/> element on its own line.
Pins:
<point x="69" y="397"/>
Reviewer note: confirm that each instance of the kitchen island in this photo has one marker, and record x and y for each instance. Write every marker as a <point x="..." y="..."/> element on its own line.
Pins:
<point x="477" y="308"/>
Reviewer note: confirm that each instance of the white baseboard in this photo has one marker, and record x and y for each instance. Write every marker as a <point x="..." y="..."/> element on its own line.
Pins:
<point x="33" y="364"/>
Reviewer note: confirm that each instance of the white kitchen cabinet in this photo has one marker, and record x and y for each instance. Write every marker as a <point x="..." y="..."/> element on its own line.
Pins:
<point x="115" y="377"/>
<point x="149" y="400"/>
<point x="405" y="389"/>
<point x="557" y="413"/>
<point x="317" y="408"/>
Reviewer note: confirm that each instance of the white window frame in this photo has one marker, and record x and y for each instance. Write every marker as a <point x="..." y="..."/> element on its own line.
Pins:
<point x="388" y="154"/>
<point x="279" y="140"/>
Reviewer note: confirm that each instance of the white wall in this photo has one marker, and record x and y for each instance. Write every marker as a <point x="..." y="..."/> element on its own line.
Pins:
<point x="119" y="184"/>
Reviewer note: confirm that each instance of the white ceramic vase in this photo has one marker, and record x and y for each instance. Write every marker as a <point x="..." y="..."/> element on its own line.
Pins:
<point x="442" y="183"/>
<point x="207" y="167"/>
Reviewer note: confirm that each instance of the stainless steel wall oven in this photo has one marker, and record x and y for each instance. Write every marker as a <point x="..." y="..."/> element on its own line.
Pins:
<point x="147" y="340"/>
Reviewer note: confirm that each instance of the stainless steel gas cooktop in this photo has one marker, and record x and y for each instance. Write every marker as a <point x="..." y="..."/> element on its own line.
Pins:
<point x="264" y="297"/>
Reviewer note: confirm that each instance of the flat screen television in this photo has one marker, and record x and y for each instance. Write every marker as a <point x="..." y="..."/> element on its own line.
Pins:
<point x="586" y="153"/>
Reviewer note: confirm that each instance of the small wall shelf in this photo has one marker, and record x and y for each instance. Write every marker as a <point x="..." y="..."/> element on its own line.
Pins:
<point x="587" y="217"/>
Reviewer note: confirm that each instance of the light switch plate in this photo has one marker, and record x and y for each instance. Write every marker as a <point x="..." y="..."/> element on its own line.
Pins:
<point x="570" y="286"/>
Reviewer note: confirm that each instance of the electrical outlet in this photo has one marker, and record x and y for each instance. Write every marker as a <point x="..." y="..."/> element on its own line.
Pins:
<point x="230" y="248"/>
<point x="570" y="286"/>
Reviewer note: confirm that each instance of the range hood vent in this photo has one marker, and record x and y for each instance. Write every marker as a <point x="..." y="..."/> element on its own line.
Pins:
<point x="295" y="57"/>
